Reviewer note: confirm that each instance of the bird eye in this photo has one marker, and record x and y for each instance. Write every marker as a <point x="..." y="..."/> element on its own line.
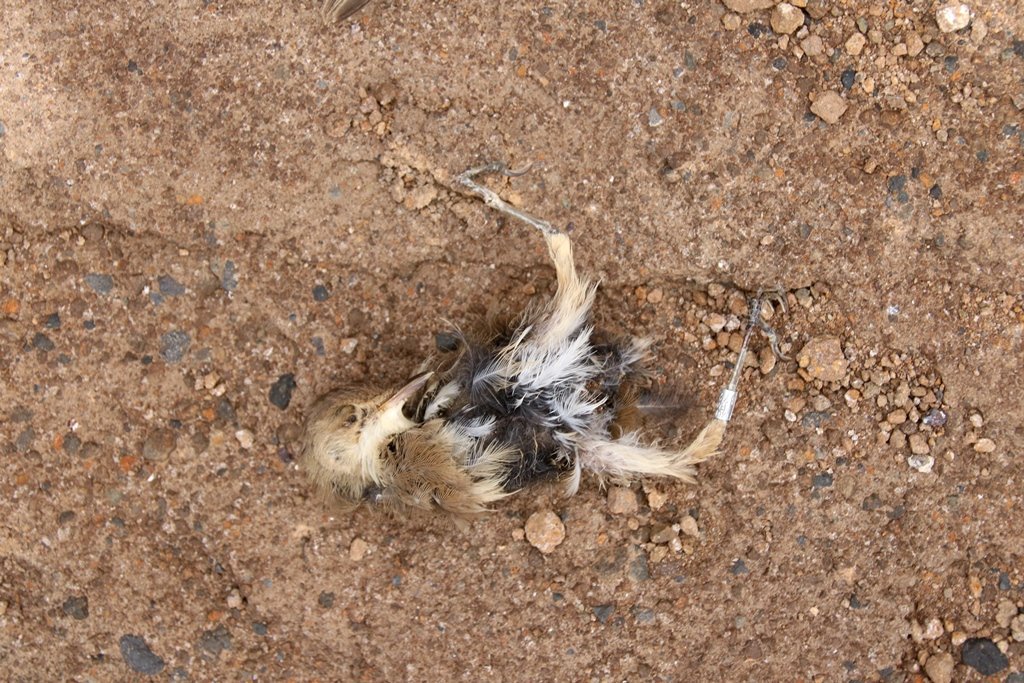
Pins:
<point x="351" y="419"/>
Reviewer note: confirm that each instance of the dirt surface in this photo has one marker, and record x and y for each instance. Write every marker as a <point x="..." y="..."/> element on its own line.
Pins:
<point x="202" y="203"/>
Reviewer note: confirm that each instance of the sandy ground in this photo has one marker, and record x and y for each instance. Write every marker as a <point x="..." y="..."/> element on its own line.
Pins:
<point x="198" y="199"/>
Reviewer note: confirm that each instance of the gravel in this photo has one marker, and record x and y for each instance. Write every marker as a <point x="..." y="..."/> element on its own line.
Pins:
<point x="174" y="345"/>
<point x="100" y="283"/>
<point x="823" y="359"/>
<point x="159" y="444"/>
<point x="953" y="17"/>
<point x="939" y="667"/>
<point x="281" y="391"/>
<point x="622" y="501"/>
<point x="786" y="18"/>
<point x="42" y="343"/>
<point x="829" y="107"/>
<point x="139" y="657"/>
<point x="216" y="640"/>
<point x="822" y="481"/>
<point x="76" y="607"/>
<point x="168" y="286"/>
<point x="545" y="531"/>
<point x="982" y="655"/>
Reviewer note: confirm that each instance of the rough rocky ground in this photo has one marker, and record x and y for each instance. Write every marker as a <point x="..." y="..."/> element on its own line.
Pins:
<point x="210" y="212"/>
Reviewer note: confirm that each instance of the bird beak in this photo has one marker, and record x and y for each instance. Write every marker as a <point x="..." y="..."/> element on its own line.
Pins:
<point x="394" y="405"/>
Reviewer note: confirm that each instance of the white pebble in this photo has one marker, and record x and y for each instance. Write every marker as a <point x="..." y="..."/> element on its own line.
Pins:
<point x="953" y="17"/>
<point x="245" y="438"/>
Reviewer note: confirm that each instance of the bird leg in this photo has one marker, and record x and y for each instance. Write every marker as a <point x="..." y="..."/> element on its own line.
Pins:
<point x="575" y="295"/>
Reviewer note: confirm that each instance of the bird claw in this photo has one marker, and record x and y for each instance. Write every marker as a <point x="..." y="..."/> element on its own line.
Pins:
<point x="757" y="304"/>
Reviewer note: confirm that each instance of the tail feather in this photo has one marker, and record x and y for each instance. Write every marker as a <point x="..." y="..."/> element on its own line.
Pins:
<point x="625" y="458"/>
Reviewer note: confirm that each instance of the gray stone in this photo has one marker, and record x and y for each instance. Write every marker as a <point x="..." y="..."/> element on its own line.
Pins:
<point x="982" y="655"/>
<point x="169" y="286"/>
<point x="139" y="657"/>
<point x="174" y="345"/>
<point x="76" y="607"/>
<point x="281" y="391"/>
<point x="100" y="283"/>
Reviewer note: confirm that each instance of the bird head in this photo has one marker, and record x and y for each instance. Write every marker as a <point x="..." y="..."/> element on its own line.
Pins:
<point x="347" y="434"/>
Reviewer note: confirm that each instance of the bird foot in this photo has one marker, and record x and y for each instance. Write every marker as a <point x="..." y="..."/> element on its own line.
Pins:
<point x="467" y="180"/>
<point x="766" y="297"/>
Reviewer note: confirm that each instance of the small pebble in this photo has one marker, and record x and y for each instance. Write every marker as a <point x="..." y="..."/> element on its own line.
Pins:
<point x="716" y="322"/>
<point x="320" y="293"/>
<point x="984" y="656"/>
<point x="984" y="445"/>
<point x="358" y="549"/>
<point x="603" y="612"/>
<point x="663" y="533"/>
<point x="100" y="283"/>
<point x="347" y="346"/>
<point x="976" y="420"/>
<point x="281" y="391"/>
<point x="622" y="501"/>
<point x="246" y="439"/>
<point x="848" y="78"/>
<point x="1005" y="612"/>
<point x="919" y="444"/>
<point x="42" y="343"/>
<point x="933" y="629"/>
<point x="168" y="286"/>
<point x="939" y="667"/>
<point x="1017" y="628"/>
<point x="688" y="525"/>
<point x="138" y="656"/>
<point x="855" y="44"/>
<point x="228" y="279"/>
<point x="76" y="607"/>
<point x="654" y="119"/>
<point x="215" y="640"/>
<point x="545" y="531"/>
<point x="829" y="107"/>
<point x="953" y="17"/>
<point x="823" y="359"/>
<point x="655" y="498"/>
<point x="159" y="444"/>
<point x="786" y="18"/>
<point x="935" y="417"/>
<point x="914" y="45"/>
<point x="921" y="463"/>
<point x="174" y="345"/>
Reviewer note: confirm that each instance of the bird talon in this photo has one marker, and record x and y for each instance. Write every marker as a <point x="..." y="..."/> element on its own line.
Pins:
<point x="757" y="304"/>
